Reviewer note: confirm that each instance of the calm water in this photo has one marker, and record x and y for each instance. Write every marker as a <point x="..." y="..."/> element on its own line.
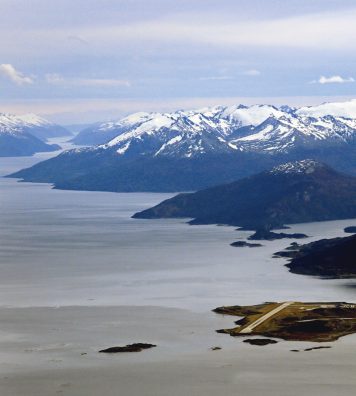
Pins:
<point x="82" y="248"/>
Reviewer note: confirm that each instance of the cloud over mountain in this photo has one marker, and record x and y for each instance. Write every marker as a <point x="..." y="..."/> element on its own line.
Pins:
<point x="334" y="80"/>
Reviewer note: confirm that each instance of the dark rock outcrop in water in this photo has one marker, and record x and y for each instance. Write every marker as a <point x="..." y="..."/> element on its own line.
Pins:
<point x="271" y="236"/>
<point x="260" y="341"/>
<point x="245" y="244"/>
<point x="216" y="348"/>
<point x="316" y="348"/>
<point x="137" y="347"/>
<point x="331" y="258"/>
<point x="310" y="349"/>
<point x="350" y="230"/>
<point x="296" y="192"/>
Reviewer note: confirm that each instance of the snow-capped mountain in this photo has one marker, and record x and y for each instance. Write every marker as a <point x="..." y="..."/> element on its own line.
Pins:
<point x="337" y="109"/>
<point x="183" y="134"/>
<point x="19" y="135"/>
<point x="242" y="116"/>
<point x="30" y="123"/>
<point x="103" y="132"/>
<point x="221" y="129"/>
<point x="290" y="131"/>
<point x="224" y="120"/>
<point x="186" y="150"/>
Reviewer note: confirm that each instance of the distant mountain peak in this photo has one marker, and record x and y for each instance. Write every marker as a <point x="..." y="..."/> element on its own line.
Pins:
<point x="337" y="109"/>
<point x="26" y="134"/>
<point x="259" y="128"/>
<point x="306" y="166"/>
<point x="33" y="119"/>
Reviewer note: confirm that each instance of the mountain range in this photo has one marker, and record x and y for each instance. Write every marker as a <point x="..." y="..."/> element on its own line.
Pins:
<point x="294" y="192"/>
<point x="26" y="134"/>
<point x="190" y="150"/>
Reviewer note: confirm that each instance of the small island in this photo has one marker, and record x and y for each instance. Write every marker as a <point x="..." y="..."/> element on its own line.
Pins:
<point x="260" y="341"/>
<point x="293" y="321"/>
<point x="245" y="244"/>
<point x="137" y="347"/>
<point x="267" y="235"/>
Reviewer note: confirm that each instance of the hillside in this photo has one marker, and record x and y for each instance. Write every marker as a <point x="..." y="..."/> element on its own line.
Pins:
<point x="331" y="258"/>
<point x="295" y="192"/>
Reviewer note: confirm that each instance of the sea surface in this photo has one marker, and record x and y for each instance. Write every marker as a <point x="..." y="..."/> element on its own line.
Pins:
<point x="62" y="248"/>
<point x="78" y="274"/>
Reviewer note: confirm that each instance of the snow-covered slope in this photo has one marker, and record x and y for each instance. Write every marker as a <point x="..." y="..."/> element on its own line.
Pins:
<point x="261" y="129"/>
<point x="181" y="134"/>
<point x="18" y="135"/>
<point x="306" y="166"/>
<point x="292" y="131"/>
<point x="225" y="120"/>
<point x="336" y="109"/>
<point x="250" y="115"/>
<point x="31" y="123"/>
<point x="104" y="132"/>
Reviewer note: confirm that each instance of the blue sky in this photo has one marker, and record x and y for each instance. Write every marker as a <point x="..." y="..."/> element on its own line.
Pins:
<point x="82" y="61"/>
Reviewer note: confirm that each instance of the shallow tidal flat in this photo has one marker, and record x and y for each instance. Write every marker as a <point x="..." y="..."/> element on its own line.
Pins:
<point x="78" y="275"/>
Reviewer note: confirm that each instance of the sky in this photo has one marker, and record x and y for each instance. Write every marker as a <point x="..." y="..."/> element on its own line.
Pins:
<point x="87" y="60"/>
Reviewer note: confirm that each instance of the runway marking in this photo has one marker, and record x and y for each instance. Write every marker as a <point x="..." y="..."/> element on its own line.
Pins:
<point x="248" y="329"/>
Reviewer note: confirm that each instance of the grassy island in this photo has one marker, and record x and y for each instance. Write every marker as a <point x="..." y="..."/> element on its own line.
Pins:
<point x="295" y="321"/>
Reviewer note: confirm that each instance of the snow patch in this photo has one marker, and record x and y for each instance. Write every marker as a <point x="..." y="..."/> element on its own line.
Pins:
<point x="306" y="166"/>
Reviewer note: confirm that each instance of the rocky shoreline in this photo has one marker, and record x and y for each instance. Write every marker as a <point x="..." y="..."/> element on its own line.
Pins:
<point x="328" y="258"/>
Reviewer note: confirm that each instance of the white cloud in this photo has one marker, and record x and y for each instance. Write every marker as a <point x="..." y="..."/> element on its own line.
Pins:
<point x="57" y="79"/>
<point x="314" y="31"/>
<point x="333" y="80"/>
<point x="320" y="31"/>
<point x="251" y="72"/>
<point x="7" y="70"/>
